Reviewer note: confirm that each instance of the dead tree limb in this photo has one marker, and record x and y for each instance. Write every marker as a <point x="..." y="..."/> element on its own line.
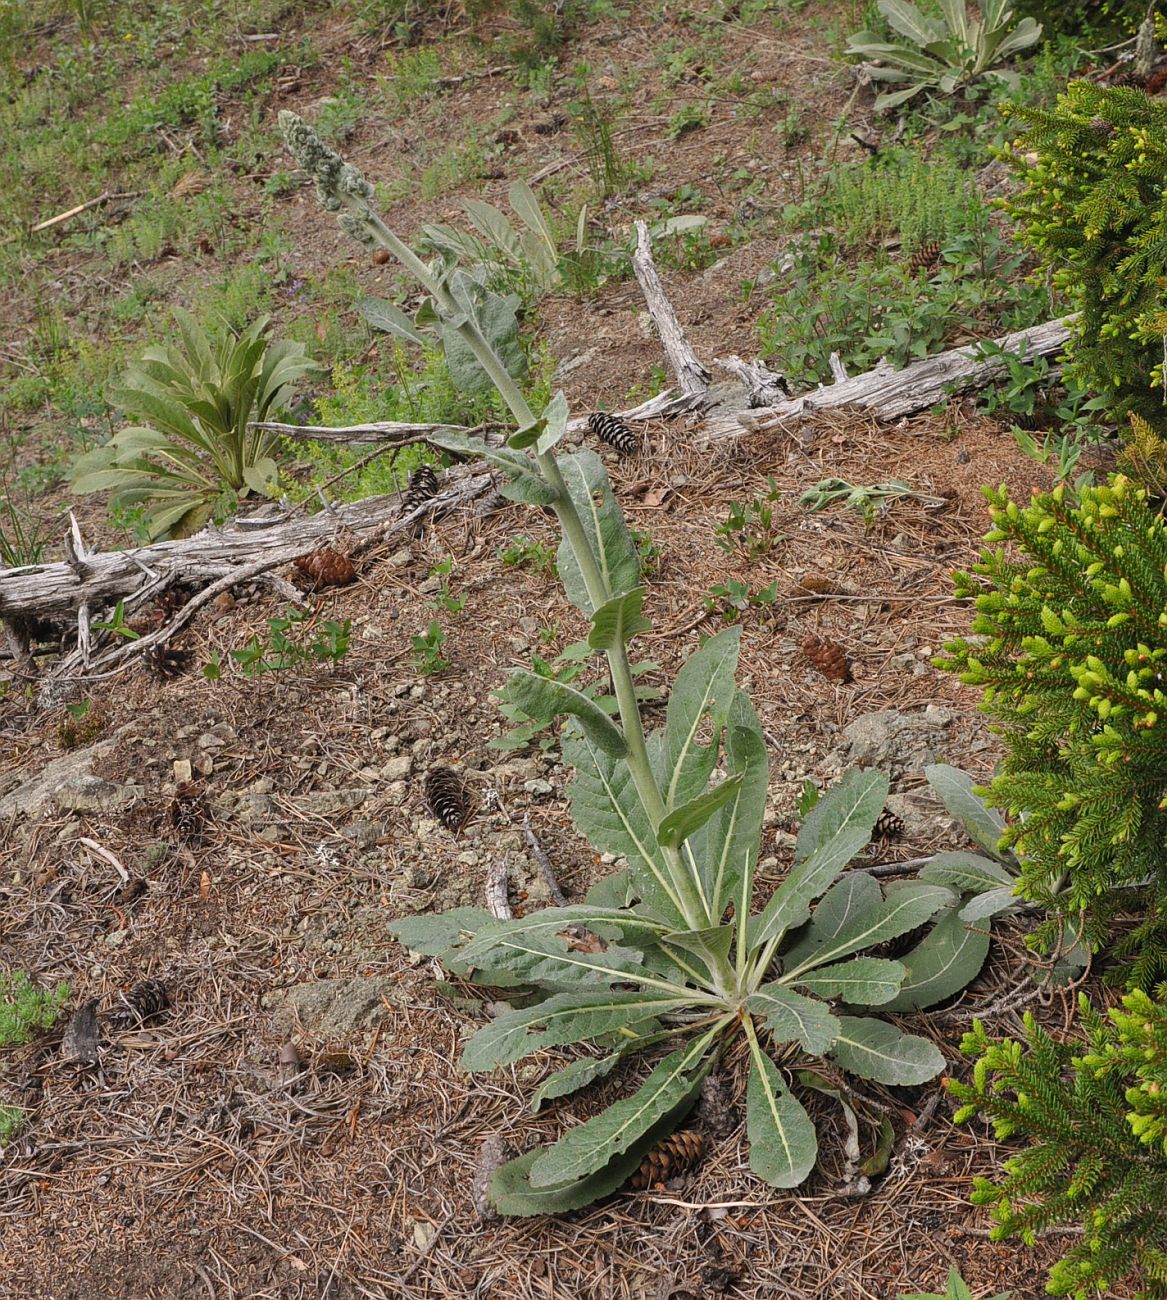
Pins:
<point x="889" y="393"/>
<point x="214" y="557"/>
<point x="690" y="373"/>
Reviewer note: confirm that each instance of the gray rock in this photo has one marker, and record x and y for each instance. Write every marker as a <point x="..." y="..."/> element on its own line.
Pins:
<point x="34" y="794"/>
<point x="397" y="769"/>
<point x="898" y="743"/>
<point x="364" y="834"/>
<point x="329" y="803"/>
<point x="337" y="1008"/>
<point x="88" y="793"/>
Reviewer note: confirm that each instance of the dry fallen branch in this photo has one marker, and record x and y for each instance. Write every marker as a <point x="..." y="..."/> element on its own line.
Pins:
<point x="214" y="560"/>
<point x="889" y="393"/>
<point x="691" y="374"/>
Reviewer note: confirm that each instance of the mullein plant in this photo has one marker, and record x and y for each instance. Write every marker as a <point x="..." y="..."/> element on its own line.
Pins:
<point x="670" y="951"/>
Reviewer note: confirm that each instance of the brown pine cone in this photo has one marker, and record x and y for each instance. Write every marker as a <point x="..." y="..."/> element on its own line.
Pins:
<point x="667" y="1159"/>
<point x="925" y="258"/>
<point x="829" y="658"/>
<point x="445" y="797"/>
<point x="166" y="661"/>
<point x="147" y="999"/>
<point x="188" y="812"/>
<point x="324" y="568"/>
<point x="888" y="827"/>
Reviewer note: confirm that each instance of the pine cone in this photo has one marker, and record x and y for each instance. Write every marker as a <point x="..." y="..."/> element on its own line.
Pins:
<point x="614" y="432"/>
<point x="446" y="797"/>
<point x="170" y="601"/>
<point x="492" y="1156"/>
<point x="829" y="658"/>
<point x="324" y="568"/>
<point x="147" y="999"/>
<point x="667" y="1159"/>
<point x="423" y="485"/>
<point x="888" y="827"/>
<point x="925" y="258"/>
<point x="166" y="661"/>
<point x="715" y="1111"/>
<point x="554" y="124"/>
<point x="817" y="584"/>
<point x="188" y="812"/>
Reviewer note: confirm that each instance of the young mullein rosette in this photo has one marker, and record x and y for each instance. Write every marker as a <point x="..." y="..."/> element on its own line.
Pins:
<point x="669" y="951"/>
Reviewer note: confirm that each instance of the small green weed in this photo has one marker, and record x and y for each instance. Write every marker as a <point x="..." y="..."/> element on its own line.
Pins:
<point x="523" y="552"/>
<point x="427" y="650"/>
<point x="749" y="527"/>
<point x="444" y="600"/>
<point x="26" y="1009"/>
<point x="294" y="640"/>
<point x="868" y="500"/>
<point x="12" y="1122"/>
<point x="117" y="624"/>
<point x="732" y="598"/>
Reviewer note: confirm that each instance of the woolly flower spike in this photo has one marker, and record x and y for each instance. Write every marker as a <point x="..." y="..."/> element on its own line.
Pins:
<point x="340" y="186"/>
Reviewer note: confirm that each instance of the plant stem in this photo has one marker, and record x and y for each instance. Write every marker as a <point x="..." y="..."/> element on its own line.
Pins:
<point x="696" y="914"/>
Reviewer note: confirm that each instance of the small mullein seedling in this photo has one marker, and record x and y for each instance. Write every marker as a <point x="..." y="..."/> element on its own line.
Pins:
<point x="669" y="954"/>
<point x="957" y="1290"/>
<point x="427" y="650"/>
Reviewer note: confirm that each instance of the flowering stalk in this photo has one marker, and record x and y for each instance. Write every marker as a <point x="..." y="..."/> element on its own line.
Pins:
<point x="343" y="189"/>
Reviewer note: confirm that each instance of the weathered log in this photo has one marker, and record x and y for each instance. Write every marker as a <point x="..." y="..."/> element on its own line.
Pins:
<point x="100" y="579"/>
<point x="690" y="373"/>
<point x="889" y="393"/>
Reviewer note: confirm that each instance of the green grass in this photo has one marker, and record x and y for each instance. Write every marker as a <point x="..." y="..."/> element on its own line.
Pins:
<point x="25" y="1009"/>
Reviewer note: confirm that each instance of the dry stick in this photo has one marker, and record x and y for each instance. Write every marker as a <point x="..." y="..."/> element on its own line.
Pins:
<point x="557" y="895"/>
<point x="691" y="374"/>
<point x="60" y="589"/>
<point x="107" y="197"/>
<point x="889" y="393"/>
<point x="496" y="889"/>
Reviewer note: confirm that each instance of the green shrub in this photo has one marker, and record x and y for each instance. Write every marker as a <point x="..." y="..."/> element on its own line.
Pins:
<point x="12" y="1122"/>
<point x="1071" y="652"/>
<point x="948" y="53"/>
<point x="1095" y="1117"/>
<point x="26" y="1009"/>
<point x="195" y="445"/>
<point x="1092" y="207"/>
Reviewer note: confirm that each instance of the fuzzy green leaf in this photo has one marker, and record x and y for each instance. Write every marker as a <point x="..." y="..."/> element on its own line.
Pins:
<point x="902" y="910"/>
<point x="704" y="688"/>
<point x="591" y="1145"/>
<point x="618" y="620"/>
<point x="979" y="909"/>
<point x="955" y="790"/>
<point x="791" y="1017"/>
<point x="607" y="810"/>
<point x="949" y="956"/>
<point x="728" y="849"/>
<point x="873" y="1049"/>
<point x="565" y="1018"/>
<point x="540" y="697"/>
<point x="433" y="935"/>
<point x="863" y="981"/>
<point x="683" y="821"/>
<point x="783" y="1143"/>
<point x="382" y="315"/>
<point x="574" y="1076"/>
<point x="967" y="873"/>
<point x="607" y="533"/>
